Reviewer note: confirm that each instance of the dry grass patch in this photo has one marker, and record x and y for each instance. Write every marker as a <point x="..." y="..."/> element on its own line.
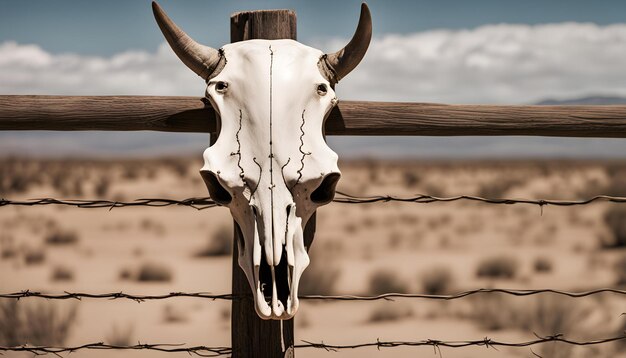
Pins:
<point x="147" y="272"/>
<point x="503" y="267"/>
<point x="620" y="271"/>
<point x="615" y="220"/>
<point x="386" y="281"/>
<point x="62" y="273"/>
<point x="41" y="324"/>
<point x="437" y="281"/>
<point x="389" y="312"/>
<point x="120" y="336"/>
<point x="319" y="278"/>
<point x="220" y="244"/>
<point x="60" y="237"/>
<point x="542" y="264"/>
<point x="34" y="256"/>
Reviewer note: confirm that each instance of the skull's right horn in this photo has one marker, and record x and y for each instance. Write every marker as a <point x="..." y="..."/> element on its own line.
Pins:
<point x="337" y="65"/>
<point x="203" y="60"/>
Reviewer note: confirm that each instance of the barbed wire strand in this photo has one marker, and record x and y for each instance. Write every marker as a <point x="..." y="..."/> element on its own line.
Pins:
<point x="202" y="351"/>
<point x="205" y="351"/>
<point x="201" y="203"/>
<point x="485" y="342"/>
<point x="387" y="296"/>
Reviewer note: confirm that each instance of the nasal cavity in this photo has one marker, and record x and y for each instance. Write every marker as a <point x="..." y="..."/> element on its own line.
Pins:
<point x="218" y="193"/>
<point x="325" y="192"/>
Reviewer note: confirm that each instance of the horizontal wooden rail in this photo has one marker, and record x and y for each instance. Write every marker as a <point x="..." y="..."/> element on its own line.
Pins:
<point x="188" y="114"/>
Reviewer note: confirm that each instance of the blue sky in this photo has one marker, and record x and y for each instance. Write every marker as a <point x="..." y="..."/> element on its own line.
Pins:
<point x="424" y="51"/>
<point x="108" y="27"/>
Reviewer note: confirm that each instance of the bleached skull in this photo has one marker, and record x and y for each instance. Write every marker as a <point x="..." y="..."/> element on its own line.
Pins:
<point x="270" y="165"/>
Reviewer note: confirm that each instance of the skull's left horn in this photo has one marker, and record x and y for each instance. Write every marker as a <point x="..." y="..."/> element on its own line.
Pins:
<point x="337" y="65"/>
<point x="203" y="60"/>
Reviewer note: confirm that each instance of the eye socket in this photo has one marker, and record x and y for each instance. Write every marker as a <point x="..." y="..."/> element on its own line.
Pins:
<point x="322" y="89"/>
<point x="217" y="192"/>
<point x="221" y="87"/>
<point x="325" y="192"/>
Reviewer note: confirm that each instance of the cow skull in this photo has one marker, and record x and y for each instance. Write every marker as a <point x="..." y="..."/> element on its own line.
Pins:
<point x="270" y="165"/>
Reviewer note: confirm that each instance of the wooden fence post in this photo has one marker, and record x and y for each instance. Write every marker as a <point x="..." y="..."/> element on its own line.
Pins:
<point x="250" y="335"/>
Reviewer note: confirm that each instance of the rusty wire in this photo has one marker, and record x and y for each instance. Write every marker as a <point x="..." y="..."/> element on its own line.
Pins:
<point x="485" y="342"/>
<point x="202" y="351"/>
<point x="205" y="351"/>
<point x="387" y="296"/>
<point x="201" y="203"/>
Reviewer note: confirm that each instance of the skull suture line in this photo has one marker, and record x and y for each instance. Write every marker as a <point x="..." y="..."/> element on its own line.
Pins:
<point x="270" y="165"/>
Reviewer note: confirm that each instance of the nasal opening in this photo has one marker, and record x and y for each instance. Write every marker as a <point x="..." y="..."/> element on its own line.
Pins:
<point x="325" y="192"/>
<point x="218" y="193"/>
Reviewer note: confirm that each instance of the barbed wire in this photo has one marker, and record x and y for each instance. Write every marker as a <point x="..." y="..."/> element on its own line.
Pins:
<point x="202" y="351"/>
<point x="201" y="203"/>
<point x="196" y="203"/>
<point x="485" y="342"/>
<point x="205" y="351"/>
<point x="387" y="296"/>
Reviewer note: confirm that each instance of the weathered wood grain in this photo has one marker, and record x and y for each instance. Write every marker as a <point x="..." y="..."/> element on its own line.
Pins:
<point x="106" y="113"/>
<point x="187" y="114"/>
<point x="250" y="335"/>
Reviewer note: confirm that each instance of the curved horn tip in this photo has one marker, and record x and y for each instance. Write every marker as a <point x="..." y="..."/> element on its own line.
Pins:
<point x="155" y="7"/>
<point x="364" y="8"/>
<point x="203" y="60"/>
<point x="337" y="65"/>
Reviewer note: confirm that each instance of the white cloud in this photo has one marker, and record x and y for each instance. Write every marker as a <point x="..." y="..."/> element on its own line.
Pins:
<point x="490" y="64"/>
<point x="493" y="64"/>
<point x="28" y="69"/>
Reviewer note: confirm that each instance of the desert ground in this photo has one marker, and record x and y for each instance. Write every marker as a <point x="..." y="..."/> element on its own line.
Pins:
<point x="367" y="249"/>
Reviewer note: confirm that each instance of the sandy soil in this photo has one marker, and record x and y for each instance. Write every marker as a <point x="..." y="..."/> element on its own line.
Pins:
<point x="413" y="242"/>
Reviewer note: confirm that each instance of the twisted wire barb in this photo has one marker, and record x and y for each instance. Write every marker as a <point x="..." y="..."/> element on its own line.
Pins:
<point x="205" y="351"/>
<point x="201" y="203"/>
<point x="202" y="351"/>
<point x="485" y="342"/>
<point x="387" y="296"/>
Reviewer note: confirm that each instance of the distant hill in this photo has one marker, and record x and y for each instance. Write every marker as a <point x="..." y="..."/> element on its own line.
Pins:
<point x="591" y="100"/>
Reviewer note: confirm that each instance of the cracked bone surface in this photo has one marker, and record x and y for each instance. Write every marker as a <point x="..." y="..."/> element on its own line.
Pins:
<point x="270" y="165"/>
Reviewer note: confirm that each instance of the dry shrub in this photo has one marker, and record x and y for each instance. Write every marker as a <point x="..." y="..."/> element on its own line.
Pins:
<point x="621" y="330"/>
<point x="319" y="278"/>
<point x="62" y="273"/>
<point x="8" y="246"/>
<point x="437" y="281"/>
<point x="617" y="182"/>
<point x="8" y="252"/>
<point x="498" y="189"/>
<point x="120" y="336"/>
<point x="386" y="281"/>
<point x="620" y="271"/>
<point x="544" y="315"/>
<point x="389" y="313"/>
<point x="43" y="324"/>
<point x="410" y="178"/>
<point x="542" y="264"/>
<point x="34" y="256"/>
<point x="173" y="314"/>
<point x="60" y="237"/>
<point x="221" y="244"/>
<point x="147" y="272"/>
<point x="125" y="274"/>
<point x="498" y="267"/>
<point x="615" y="220"/>
<point x="102" y="186"/>
<point x="154" y="272"/>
